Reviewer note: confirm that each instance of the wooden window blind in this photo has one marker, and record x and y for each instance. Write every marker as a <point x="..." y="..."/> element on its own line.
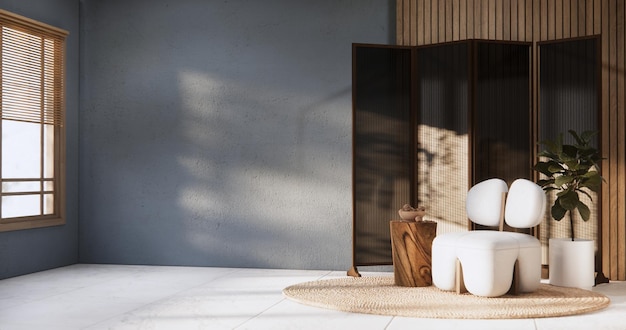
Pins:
<point x="32" y="70"/>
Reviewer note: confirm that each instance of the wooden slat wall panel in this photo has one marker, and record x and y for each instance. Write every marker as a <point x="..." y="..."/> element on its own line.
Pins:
<point x="427" y="24"/>
<point x="400" y="39"/>
<point x="437" y="21"/>
<point x="621" y="91"/>
<point x="540" y="14"/>
<point x="499" y="19"/>
<point x="597" y="16"/>
<point x="481" y="11"/>
<point x="606" y="165"/>
<point x="420" y="23"/>
<point x="455" y="18"/>
<point x="589" y="17"/>
<point x="463" y="20"/>
<point x="512" y="19"/>
<point x="550" y="22"/>
<point x="490" y="22"/>
<point x="567" y="18"/>
<point x="573" y="18"/>
<point x="449" y="18"/>
<point x="612" y="109"/>
<point x="441" y="19"/>
<point x="470" y="19"/>
<point x="528" y="23"/>
<point x="414" y="23"/>
<point x="558" y="20"/>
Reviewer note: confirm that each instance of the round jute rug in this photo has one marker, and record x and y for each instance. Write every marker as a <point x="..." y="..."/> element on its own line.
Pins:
<point x="379" y="295"/>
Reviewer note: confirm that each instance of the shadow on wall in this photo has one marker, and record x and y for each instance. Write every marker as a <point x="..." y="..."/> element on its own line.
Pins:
<point x="220" y="135"/>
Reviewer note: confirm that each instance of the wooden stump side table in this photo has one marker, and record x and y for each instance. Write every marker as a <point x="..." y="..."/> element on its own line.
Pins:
<point x="411" y="246"/>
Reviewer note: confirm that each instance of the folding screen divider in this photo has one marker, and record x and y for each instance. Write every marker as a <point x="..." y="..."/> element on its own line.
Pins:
<point x="442" y="133"/>
<point x="569" y="98"/>
<point x="382" y="171"/>
<point x="502" y="126"/>
<point x="428" y="122"/>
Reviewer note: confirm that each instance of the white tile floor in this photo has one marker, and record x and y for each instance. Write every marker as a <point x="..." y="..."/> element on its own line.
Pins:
<point x="146" y="297"/>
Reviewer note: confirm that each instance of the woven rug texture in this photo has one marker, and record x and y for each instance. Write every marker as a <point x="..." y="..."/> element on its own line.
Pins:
<point x="379" y="295"/>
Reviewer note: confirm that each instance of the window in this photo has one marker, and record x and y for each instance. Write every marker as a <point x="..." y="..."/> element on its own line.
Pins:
<point x="32" y="107"/>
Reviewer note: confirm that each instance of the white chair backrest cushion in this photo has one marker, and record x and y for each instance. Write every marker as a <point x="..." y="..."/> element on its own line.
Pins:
<point x="525" y="204"/>
<point x="484" y="202"/>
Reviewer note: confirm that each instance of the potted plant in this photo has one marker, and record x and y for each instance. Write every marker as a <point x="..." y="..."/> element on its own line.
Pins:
<point x="570" y="170"/>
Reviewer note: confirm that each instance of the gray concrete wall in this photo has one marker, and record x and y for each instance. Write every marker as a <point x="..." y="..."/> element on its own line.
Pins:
<point x="218" y="133"/>
<point x="32" y="250"/>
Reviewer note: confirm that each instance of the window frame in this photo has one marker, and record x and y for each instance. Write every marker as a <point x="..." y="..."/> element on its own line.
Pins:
<point x="58" y="217"/>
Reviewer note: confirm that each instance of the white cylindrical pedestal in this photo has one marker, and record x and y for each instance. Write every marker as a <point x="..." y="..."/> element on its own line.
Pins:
<point x="571" y="263"/>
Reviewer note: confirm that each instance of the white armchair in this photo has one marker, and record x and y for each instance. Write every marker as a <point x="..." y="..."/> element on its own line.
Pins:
<point x="486" y="262"/>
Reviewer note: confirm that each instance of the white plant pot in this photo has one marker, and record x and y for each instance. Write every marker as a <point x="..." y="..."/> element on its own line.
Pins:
<point x="571" y="262"/>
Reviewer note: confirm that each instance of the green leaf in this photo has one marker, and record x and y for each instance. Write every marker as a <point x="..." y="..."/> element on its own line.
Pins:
<point x="561" y="193"/>
<point x="557" y="212"/>
<point x="554" y="167"/>
<point x="591" y="180"/>
<point x="543" y="168"/>
<point x="572" y="164"/>
<point x="570" y="151"/>
<point x="587" y="135"/>
<point x="583" y="168"/>
<point x="576" y="137"/>
<point x="587" y="151"/>
<point x="554" y="146"/>
<point x="568" y="200"/>
<point x="545" y="182"/>
<point x="584" y="211"/>
<point x="563" y="179"/>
